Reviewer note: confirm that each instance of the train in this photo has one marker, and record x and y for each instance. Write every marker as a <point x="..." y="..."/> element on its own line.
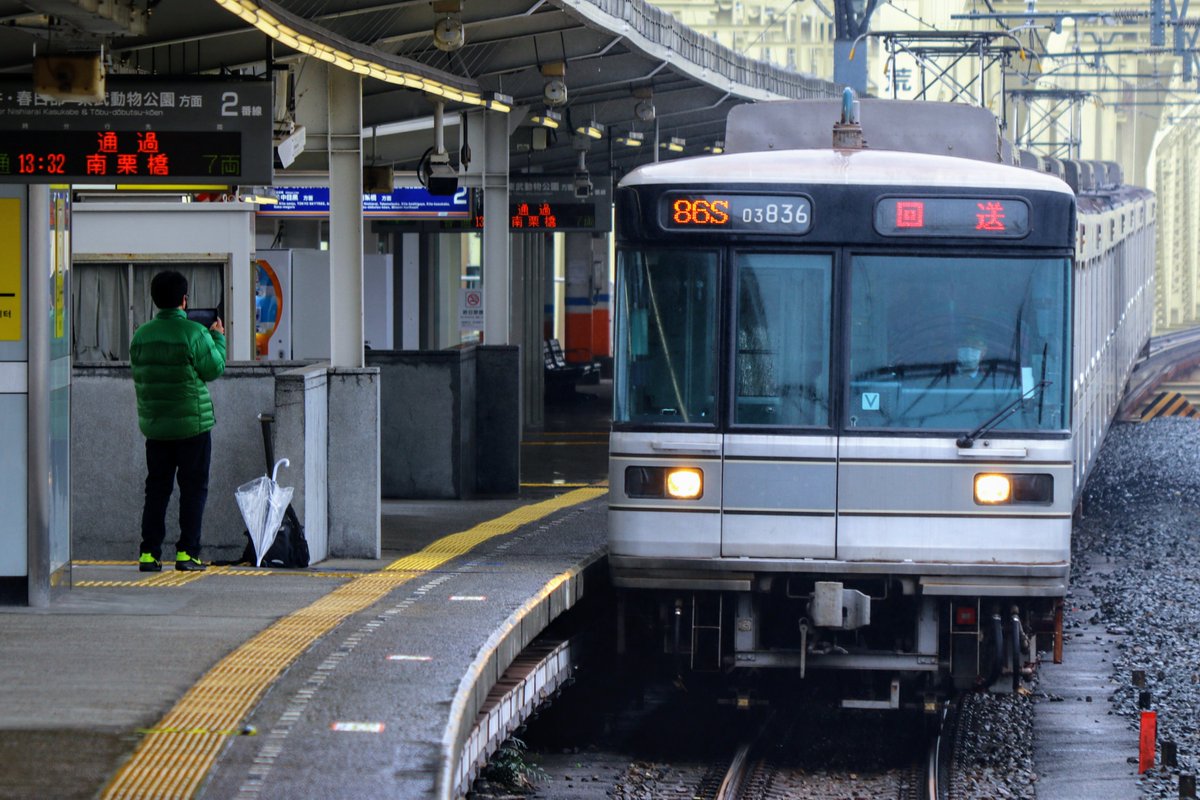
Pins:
<point x="864" y="361"/>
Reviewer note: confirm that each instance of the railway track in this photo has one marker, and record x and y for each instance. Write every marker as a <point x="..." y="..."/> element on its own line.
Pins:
<point x="772" y="765"/>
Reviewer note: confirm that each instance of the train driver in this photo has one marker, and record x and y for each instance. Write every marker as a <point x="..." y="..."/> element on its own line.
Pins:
<point x="970" y="358"/>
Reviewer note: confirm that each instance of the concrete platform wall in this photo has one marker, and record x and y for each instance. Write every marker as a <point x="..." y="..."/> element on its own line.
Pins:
<point x="326" y="420"/>
<point x="450" y="422"/>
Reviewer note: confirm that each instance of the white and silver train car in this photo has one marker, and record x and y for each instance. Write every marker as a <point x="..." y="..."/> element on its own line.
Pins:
<point x="857" y="391"/>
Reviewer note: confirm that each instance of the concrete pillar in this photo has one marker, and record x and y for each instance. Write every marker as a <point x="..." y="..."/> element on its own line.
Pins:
<point x="38" y="440"/>
<point x="601" y="301"/>
<point x="497" y="266"/>
<point x="578" y="344"/>
<point x="410" y="291"/>
<point x="345" y="219"/>
<point x="529" y="253"/>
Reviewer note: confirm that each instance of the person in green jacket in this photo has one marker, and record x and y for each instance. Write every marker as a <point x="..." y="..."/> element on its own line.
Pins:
<point x="172" y="359"/>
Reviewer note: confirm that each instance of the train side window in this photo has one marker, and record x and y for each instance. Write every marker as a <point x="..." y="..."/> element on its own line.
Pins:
<point x="782" y="339"/>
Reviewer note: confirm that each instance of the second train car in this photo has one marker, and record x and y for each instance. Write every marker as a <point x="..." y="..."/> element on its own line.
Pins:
<point x="858" y="387"/>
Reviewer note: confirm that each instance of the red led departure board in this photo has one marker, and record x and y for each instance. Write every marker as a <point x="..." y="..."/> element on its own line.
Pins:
<point x="991" y="217"/>
<point x="146" y="130"/>
<point x="120" y="155"/>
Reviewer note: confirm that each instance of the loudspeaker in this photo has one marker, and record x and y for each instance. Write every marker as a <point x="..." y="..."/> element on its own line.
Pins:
<point x="78" y="79"/>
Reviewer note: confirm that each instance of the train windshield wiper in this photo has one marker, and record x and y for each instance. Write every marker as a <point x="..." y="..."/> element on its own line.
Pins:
<point x="968" y="439"/>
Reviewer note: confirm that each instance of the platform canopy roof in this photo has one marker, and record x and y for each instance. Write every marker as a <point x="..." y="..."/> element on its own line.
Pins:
<point x="625" y="64"/>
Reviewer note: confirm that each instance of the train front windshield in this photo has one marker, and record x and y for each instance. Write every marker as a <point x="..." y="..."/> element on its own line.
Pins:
<point x="947" y="343"/>
<point x="933" y="343"/>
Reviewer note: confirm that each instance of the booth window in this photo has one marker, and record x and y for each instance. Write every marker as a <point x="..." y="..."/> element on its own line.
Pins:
<point x="110" y="299"/>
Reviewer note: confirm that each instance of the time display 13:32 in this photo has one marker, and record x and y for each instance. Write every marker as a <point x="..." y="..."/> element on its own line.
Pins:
<point x="37" y="164"/>
<point x="80" y="156"/>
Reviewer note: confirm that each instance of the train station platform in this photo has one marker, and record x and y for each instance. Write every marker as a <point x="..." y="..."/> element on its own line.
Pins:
<point x="336" y="681"/>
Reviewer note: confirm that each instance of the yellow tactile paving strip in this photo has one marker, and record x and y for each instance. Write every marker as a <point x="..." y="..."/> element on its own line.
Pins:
<point x="170" y="578"/>
<point x="173" y="762"/>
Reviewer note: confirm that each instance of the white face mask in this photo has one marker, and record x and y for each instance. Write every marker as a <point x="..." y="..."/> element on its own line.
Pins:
<point x="968" y="358"/>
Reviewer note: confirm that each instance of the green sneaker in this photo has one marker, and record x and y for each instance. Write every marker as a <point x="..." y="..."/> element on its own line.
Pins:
<point x="148" y="563"/>
<point x="185" y="563"/>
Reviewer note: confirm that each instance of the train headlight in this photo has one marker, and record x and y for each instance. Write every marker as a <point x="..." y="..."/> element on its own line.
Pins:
<point x="993" y="488"/>
<point x="685" y="484"/>
<point x="679" y="483"/>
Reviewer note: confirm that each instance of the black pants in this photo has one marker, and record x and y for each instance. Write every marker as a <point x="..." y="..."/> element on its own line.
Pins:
<point x="165" y="458"/>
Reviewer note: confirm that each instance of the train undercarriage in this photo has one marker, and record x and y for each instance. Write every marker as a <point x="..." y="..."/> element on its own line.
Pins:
<point x="909" y="649"/>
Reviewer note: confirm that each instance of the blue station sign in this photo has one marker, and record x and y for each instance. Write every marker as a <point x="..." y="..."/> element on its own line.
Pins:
<point x="414" y="203"/>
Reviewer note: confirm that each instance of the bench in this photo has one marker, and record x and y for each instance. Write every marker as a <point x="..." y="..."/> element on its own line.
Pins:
<point x="562" y="376"/>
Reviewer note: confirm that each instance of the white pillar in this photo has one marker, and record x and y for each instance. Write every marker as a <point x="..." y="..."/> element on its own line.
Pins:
<point x="345" y="219"/>
<point x="410" y="292"/>
<point x="497" y="267"/>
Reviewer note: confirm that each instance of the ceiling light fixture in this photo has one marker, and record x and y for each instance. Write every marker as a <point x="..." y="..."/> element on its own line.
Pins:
<point x="266" y="17"/>
<point x="632" y="139"/>
<point x="716" y="148"/>
<point x="592" y="130"/>
<point x="498" y="102"/>
<point x="547" y="119"/>
<point x="673" y="145"/>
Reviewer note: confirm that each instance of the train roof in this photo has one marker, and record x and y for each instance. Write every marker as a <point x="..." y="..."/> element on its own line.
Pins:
<point x="846" y="167"/>
<point x="909" y="126"/>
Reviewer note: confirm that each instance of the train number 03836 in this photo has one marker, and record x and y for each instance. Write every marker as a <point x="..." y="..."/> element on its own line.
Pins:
<point x="757" y="213"/>
<point x="771" y="213"/>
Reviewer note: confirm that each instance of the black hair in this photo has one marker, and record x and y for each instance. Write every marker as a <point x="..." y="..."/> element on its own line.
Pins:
<point x="167" y="289"/>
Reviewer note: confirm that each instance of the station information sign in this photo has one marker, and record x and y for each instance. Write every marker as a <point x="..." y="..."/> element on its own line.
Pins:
<point x="549" y="203"/>
<point x="147" y="130"/>
<point x="406" y="202"/>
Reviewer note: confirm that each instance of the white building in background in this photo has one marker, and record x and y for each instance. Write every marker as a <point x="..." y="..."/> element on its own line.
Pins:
<point x="800" y="35"/>
<point x="1177" y="182"/>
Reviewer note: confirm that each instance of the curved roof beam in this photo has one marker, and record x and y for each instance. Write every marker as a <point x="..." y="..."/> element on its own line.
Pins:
<point x="313" y="40"/>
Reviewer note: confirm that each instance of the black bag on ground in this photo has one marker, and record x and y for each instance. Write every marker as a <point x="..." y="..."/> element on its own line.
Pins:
<point x="290" y="548"/>
<point x="288" y="551"/>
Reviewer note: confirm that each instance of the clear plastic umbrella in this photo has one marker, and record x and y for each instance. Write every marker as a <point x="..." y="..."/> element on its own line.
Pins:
<point x="263" y="502"/>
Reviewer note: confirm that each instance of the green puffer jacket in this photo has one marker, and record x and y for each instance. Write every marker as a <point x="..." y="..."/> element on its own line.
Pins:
<point x="172" y="357"/>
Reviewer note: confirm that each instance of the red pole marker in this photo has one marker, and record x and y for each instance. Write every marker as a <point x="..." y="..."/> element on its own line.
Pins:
<point x="1146" y="740"/>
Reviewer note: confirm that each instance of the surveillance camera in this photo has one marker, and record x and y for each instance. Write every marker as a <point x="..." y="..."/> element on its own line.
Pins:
<point x="583" y="185"/>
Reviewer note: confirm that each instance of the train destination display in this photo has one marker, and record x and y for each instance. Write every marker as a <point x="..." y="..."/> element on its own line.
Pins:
<point x="146" y="131"/>
<point x="992" y="217"/>
<point x="120" y="155"/>
<point x="741" y="213"/>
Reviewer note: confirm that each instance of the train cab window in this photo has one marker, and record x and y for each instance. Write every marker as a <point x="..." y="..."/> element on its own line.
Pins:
<point x="666" y="337"/>
<point x="782" y="330"/>
<point x="947" y="343"/>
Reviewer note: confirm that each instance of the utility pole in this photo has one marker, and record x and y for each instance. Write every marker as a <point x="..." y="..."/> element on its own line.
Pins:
<point x="851" y="19"/>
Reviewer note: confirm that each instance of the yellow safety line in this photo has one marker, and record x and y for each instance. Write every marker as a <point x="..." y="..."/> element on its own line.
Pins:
<point x="183" y="578"/>
<point x="172" y="765"/>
